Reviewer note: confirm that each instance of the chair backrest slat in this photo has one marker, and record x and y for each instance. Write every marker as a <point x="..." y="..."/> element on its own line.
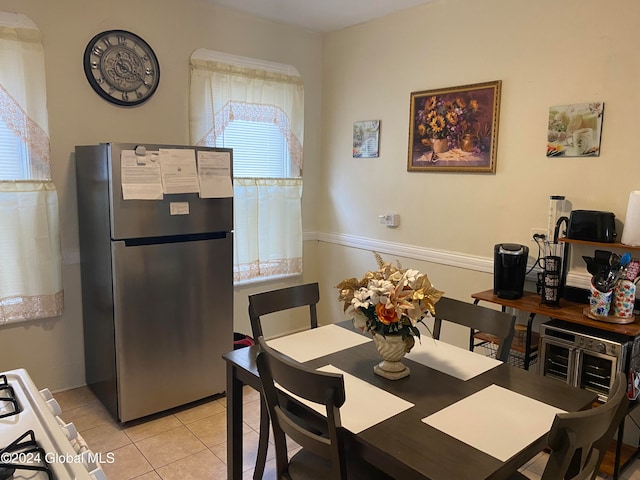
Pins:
<point x="264" y="303"/>
<point x="494" y="322"/>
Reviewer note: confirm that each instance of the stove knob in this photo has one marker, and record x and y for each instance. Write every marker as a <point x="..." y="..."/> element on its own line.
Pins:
<point x="98" y="474"/>
<point x="46" y="394"/>
<point x="601" y="347"/>
<point x="70" y="431"/>
<point x="54" y="406"/>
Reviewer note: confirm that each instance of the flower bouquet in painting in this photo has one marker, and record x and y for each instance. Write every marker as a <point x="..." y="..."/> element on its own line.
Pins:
<point x="449" y="122"/>
<point x="389" y="303"/>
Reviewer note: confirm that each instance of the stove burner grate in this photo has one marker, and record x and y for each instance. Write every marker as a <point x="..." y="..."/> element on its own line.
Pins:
<point x="8" y="402"/>
<point x="24" y="453"/>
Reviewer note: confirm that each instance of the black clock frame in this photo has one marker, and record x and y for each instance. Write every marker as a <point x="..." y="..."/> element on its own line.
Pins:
<point x="88" y="68"/>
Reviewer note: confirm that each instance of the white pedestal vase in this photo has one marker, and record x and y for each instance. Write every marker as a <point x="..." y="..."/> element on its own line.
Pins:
<point x="392" y="348"/>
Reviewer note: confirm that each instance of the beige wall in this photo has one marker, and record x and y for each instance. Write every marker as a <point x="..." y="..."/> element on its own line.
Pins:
<point x="545" y="52"/>
<point x="53" y="350"/>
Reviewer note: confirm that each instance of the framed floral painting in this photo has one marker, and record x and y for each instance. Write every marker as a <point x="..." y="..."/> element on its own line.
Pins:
<point x="455" y="129"/>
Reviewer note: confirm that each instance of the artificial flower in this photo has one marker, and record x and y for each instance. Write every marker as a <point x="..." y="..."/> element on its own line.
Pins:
<point x="390" y="300"/>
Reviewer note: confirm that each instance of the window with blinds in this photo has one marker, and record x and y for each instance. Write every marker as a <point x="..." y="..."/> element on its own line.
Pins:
<point x="31" y="267"/>
<point x="259" y="149"/>
<point x="255" y="107"/>
<point x="14" y="155"/>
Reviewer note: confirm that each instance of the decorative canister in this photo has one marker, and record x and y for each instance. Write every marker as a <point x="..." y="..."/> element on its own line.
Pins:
<point x="600" y="302"/>
<point x="624" y="297"/>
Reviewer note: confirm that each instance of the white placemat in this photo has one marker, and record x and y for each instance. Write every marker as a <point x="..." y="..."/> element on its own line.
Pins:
<point x="365" y="404"/>
<point x="317" y="342"/>
<point x="495" y="420"/>
<point x="450" y="359"/>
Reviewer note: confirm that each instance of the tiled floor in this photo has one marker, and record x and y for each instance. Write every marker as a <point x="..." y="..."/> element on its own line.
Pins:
<point x="188" y="443"/>
<point x="184" y="444"/>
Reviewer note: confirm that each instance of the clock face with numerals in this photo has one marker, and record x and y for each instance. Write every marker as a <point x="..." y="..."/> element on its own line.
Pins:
<point x="121" y="67"/>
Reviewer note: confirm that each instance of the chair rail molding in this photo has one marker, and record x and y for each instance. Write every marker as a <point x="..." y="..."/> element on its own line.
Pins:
<point x="442" y="257"/>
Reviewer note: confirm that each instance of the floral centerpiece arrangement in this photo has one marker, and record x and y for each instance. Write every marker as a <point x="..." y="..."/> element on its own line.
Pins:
<point x="389" y="301"/>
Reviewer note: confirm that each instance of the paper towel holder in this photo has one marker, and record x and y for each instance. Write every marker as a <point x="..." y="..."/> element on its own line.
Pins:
<point x="631" y="230"/>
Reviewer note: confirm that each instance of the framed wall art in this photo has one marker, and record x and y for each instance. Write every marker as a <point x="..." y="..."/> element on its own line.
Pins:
<point x="454" y="129"/>
<point x="366" y="139"/>
<point x="575" y="130"/>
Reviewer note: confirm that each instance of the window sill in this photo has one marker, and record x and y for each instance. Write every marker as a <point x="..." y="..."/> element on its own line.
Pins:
<point x="259" y="280"/>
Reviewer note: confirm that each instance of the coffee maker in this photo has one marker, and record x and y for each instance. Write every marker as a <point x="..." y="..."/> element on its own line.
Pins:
<point x="509" y="269"/>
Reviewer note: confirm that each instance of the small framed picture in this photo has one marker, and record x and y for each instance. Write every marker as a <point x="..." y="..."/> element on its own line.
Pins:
<point x="575" y="130"/>
<point x="366" y="139"/>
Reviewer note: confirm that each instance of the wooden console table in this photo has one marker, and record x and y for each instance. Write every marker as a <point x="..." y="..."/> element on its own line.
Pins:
<point x="569" y="312"/>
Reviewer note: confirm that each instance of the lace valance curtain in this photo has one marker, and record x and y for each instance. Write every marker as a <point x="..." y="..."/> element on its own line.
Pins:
<point x="31" y="266"/>
<point x="267" y="217"/>
<point x="221" y="92"/>
<point x="23" y="98"/>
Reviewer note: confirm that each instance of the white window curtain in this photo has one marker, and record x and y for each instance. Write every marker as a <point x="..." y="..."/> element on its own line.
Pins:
<point x="31" y="266"/>
<point x="277" y="247"/>
<point x="268" y="219"/>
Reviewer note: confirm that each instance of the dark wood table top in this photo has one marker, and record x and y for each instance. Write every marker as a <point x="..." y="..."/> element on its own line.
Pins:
<point x="406" y="447"/>
<point x="567" y="310"/>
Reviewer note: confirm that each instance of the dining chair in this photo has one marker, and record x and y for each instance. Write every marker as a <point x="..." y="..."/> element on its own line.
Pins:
<point x="260" y="305"/>
<point x="264" y="303"/>
<point x="323" y="456"/>
<point x="579" y="440"/>
<point x="477" y="318"/>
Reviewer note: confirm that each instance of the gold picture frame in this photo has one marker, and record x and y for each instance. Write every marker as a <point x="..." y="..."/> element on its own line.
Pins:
<point x="454" y="129"/>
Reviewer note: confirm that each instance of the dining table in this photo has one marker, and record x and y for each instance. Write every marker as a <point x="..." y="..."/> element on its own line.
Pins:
<point x="457" y="415"/>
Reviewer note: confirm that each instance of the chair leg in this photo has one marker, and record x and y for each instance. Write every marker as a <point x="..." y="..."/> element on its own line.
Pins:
<point x="263" y="440"/>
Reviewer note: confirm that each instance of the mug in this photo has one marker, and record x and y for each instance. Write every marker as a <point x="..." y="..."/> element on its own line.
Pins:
<point x="551" y="289"/>
<point x="582" y="140"/>
<point x="552" y="264"/>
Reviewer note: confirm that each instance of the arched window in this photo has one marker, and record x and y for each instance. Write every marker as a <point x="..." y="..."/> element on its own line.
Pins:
<point x="31" y="267"/>
<point x="256" y="108"/>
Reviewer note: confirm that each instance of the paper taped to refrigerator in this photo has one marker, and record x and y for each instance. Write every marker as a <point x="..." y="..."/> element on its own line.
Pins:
<point x="140" y="176"/>
<point x="214" y="173"/>
<point x="178" y="168"/>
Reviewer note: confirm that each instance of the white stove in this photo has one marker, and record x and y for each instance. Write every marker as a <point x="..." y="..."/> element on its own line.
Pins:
<point x="35" y="443"/>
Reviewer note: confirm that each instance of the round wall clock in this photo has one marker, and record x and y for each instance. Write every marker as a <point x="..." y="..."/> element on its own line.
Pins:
<point x="121" y="67"/>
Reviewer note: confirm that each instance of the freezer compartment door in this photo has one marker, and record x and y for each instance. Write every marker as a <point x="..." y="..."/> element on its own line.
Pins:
<point x="173" y="321"/>
<point x="175" y="214"/>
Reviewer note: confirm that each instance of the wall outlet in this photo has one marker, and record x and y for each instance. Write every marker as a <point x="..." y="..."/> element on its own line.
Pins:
<point x="537" y="231"/>
<point x="391" y="220"/>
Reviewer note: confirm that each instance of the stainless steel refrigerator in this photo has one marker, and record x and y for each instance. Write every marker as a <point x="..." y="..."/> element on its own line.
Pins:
<point x="157" y="287"/>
